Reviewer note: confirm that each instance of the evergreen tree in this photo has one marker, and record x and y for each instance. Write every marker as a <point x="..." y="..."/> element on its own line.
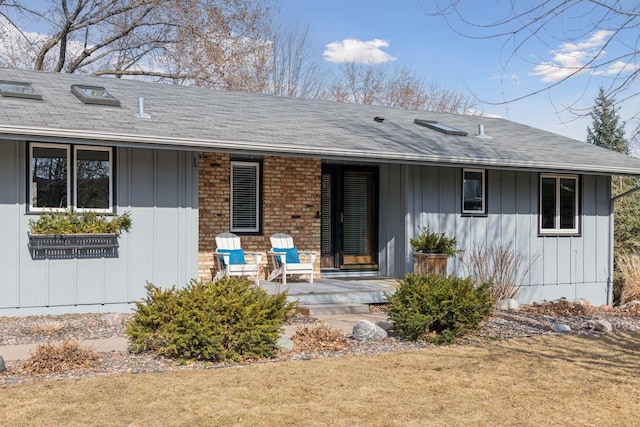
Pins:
<point x="608" y="130"/>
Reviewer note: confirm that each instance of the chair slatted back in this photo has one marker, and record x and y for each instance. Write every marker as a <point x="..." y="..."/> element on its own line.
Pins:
<point x="282" y="240"/>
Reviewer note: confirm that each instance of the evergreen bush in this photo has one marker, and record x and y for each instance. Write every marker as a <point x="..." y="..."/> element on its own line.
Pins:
<point x="226" y="320"/>
<point x="72" y="222"/>
<point x="438" y="309"/>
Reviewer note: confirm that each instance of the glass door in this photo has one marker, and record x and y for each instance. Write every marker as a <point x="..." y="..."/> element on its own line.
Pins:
<point x="349" y="218"/>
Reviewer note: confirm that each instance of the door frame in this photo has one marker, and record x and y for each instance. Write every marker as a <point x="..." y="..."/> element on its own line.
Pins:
<point x="337" y="173"/>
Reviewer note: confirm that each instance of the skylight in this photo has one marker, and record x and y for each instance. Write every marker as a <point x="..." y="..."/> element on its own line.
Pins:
<point x="18" y="90"/>
<point x="440" y="127"/>
<point x="94" y="95"/>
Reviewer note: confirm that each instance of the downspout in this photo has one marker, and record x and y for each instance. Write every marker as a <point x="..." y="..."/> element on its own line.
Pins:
<point x="611" y="237"/>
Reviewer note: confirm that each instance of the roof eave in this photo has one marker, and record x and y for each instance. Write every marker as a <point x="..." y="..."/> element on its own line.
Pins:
<point x="198" y="144"/>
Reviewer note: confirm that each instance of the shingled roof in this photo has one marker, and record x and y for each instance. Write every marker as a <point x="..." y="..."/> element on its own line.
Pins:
<point x="194" y="118"/>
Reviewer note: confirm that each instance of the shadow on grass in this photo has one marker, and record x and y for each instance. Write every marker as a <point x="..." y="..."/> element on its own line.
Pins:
<point x="610" y="355"/>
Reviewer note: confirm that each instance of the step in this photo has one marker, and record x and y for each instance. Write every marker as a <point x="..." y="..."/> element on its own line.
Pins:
<point x="364" y="297"/>
<point x="334" y="308"/>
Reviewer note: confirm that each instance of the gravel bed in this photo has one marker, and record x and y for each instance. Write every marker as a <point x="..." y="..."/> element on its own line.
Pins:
<point x="528" y="322"/>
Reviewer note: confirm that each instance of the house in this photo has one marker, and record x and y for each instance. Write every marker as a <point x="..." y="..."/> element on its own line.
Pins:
<point x="352" y="182"/>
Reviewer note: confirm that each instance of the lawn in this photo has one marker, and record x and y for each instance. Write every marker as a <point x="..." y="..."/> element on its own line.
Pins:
<point x="550" y="380"/>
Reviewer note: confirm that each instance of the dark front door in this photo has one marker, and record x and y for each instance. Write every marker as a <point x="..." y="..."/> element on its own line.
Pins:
<point x="349" y="217"/>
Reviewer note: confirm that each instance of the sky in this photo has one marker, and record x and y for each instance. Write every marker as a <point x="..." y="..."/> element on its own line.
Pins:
<point x="403" y="33"/>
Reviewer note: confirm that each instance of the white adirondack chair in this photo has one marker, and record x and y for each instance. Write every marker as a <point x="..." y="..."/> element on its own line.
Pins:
<point x="282" y="247"/>
<point x="231" y="260"/>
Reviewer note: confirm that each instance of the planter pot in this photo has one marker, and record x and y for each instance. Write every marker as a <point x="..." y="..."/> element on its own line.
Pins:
<point x="73" y="245"/>
<point x="430" y="263"/>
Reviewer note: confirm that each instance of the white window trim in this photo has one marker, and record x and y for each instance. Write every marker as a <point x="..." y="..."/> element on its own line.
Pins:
<point x="32" y="196"/>
<point x="72" y="183"/>
<point x="483" y="211"/>
<point x="256" y="165"/>
<point x="557" y="230"/>
<point x="75" y="177"/>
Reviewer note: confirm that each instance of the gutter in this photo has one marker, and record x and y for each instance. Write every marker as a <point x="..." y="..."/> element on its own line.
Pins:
<point x="285" y="149"/>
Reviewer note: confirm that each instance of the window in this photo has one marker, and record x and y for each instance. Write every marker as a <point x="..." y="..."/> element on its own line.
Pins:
<point x="18" y="90"/>
<point x="440" y="127"/>
<point x="94" y="95"/>
<point x="87" y="185"/>
<point x="245" y="197"/>
<point x="473" y="191"/>
<point x="559" y="204"/>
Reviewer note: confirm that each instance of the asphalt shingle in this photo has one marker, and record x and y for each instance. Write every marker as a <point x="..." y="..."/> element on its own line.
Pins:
<point x="205" y="119"/>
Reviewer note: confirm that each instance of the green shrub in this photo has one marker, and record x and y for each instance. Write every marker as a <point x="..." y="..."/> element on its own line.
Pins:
<point x="438" y="309"/>
<point x="225" y="320"/>
<point x="430" y="242"/>
<point x="72" y="222"/>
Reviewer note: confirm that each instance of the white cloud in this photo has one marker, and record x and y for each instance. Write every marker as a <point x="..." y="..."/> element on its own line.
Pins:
<point x="620" y="67"/>
<point x="571" y="58"/>
<point x="353" y="50"/>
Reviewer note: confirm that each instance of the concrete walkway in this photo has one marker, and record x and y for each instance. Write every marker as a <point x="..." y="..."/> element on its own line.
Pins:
<point x="342" y="322"/>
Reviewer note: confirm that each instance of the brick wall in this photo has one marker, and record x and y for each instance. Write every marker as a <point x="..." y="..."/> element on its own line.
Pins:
<point x="291" y="197"/>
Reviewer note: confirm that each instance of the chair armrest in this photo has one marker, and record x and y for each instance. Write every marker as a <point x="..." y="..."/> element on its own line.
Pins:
<point x="311" y="254"/>
<point x="282" y="255"/>
<point x="256" y="255"/>
<point x="220" y="260"/>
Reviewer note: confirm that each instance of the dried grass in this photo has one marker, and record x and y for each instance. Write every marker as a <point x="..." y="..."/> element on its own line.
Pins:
<point x="49" y="327"/>
<point x="319" y="339"/>
<point x="629" y="266"/>
<point x="499" y="264"/>
<point x="551" y="380"/>
<point x="58" y="358"/>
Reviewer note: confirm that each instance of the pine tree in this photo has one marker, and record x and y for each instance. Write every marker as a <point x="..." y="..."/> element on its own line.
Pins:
<point x="608" y="130"/>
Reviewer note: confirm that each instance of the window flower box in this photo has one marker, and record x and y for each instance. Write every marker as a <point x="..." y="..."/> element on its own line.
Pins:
<point x="73" y="245"/>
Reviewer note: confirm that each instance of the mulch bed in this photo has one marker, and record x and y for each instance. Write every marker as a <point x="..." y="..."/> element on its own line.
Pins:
<point x="531" y="320"/>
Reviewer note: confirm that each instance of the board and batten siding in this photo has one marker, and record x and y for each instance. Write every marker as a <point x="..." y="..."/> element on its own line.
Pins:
<point x="565" y="266"/>
<point x="158" y="187"/>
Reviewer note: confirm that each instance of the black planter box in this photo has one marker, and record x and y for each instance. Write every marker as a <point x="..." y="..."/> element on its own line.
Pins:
<point x="73" y="245"/>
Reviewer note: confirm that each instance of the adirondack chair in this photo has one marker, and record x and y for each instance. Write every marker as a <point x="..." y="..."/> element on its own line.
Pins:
<point x="231" y="259"/>
<point x="285" y="259"/>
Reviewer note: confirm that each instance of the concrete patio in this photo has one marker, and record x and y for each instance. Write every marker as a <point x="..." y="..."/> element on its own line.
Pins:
<point x="335" y="295"/>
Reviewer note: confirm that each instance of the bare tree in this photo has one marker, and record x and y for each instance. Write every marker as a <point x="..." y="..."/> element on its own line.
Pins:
<point x="580" y="34"/>
<point x="188" y="41"/>
<point x="377" y="84"/>
<point x="294" y="70"/>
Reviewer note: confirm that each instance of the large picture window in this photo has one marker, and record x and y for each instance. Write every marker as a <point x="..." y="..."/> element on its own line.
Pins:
<point x="245" y="197"/>
<point x="473" y="192"/>
<point x="64" y="177"/>
<point x="559" y="204"/>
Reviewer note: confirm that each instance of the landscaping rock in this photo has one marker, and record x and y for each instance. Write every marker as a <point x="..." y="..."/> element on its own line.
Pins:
<point x="561" y="327"/>
<point x="114" y="319"/>
<point x="385" y="325"/>
<point x="600" y="325"/>
<point x="365" y="330"/>
<point x="284" y="343"/>
<point x="582" y="301"/>
<point x="509" y="304"/>
<point x="3" y="367"/>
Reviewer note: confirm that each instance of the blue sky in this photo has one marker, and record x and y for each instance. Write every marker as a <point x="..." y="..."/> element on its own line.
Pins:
<point x="402" y="33"/>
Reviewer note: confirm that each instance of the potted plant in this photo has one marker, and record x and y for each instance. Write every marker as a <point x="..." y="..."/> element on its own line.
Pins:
<point x="431" y="251"/>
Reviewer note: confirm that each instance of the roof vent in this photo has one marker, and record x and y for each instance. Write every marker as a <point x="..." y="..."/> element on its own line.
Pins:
<point x="141" y="114"/>
<point x="481" y="133"/>
<point x="378" y="119"/>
